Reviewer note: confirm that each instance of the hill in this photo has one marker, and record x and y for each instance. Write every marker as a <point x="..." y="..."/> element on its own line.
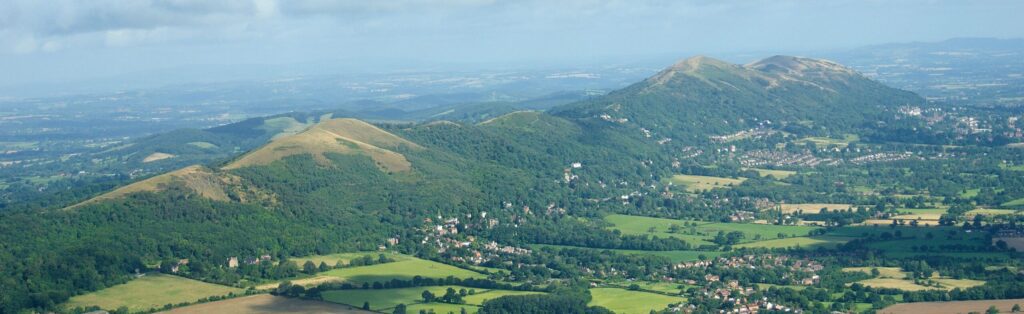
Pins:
<point x="338" y="184"/>
<point x="341" y="136"/>
<point x="702" y="96"/>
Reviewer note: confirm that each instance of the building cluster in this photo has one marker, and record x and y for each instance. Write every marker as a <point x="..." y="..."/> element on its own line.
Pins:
<point x="233" y="261"/>
<point x="760" y="158"/>
<point x="756" y="133"/>
<point x="881" y="157"/>
<point x="801" y="271"/>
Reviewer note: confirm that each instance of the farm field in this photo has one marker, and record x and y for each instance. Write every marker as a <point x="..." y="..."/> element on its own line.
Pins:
<point x="333" y="259"/>
<point x="384" y="300"/>
<point x="812" y="207"/>
<point x="921" y="214"/>
<point x="629" y="302"/>
<point x="803" y="242"/>
<point x="991" y="211"/>
<point x="675" y="256"/>
<point x="266" y="304"/>
<point x="978" y="306"/>
<point x="1015" y="203"/>
<point x="705" y="231"/>
<point x="894" y="277"/>
<point x="695" y="183"/>
<point x="404" y="270"/>
<point x="151" y="291"/>
<point x="778" y="174"/>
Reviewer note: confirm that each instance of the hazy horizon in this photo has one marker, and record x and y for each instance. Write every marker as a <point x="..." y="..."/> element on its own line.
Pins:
<point x="76" y="42"/>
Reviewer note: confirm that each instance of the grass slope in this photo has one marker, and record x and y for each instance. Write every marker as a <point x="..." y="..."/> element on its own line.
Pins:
<point x="151" y="291"/>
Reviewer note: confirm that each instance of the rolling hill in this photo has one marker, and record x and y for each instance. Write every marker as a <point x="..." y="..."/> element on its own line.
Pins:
<point x="324" y="184"/>
<point x="702" y="96"/>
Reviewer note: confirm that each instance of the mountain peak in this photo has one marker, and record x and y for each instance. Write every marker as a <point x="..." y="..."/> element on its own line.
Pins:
<point x="696" y="62"/>
<point x="798" y="66"/>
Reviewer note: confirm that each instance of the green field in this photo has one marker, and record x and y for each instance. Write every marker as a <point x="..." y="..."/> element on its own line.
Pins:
<point x="383" y="300"/>
<point x="628" y="302"/>
<point x="778" y="174"/>
<point x="1014" y="203"/>
<point x="345" y="258"/>
<point x="802" y="242"/>
<point x="705" y="231"/>
<point x="404" y="270"/>
<point x="151" y="291"/>
<point x="675" y="256"/>
<point x="699" y="183"/>
<point x="894" y="277"/>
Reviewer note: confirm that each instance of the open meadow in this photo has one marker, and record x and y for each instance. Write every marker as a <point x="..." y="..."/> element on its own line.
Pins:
<point x="695" y="183"/>
<point x="151" y="291"/>
<point x="630" y="302"/>
<point x="705" y="231"/>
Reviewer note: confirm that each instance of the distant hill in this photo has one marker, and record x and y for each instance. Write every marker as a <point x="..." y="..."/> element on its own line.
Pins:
<point x="702" y="96"/>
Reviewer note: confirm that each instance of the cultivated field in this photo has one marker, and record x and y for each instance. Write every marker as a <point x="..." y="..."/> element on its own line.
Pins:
<point x="954" y="307"/>
<point x="629" y="302"/>
<point x="384" y="300"/>
<point x="700" y="183"/>
<point x="809" y="208"/>
<point x="894" y="277"/>
<point x="802" y="242"/>
<point x="267" y="304"/>
<point x="151" y="291"/>
<point x="404" y="270"/>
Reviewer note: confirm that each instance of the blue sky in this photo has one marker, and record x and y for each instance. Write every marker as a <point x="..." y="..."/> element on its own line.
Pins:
<point x="69" y="40"/>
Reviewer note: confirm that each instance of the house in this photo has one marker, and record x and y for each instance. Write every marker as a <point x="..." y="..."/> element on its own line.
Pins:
<point x="233" y="262"/>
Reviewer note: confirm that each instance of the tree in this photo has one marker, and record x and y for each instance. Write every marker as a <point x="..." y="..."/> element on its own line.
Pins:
<point x="1016" y="308"/>
<point x="324" y="267"/>
<point x="427" y="296"/>
<point x="992" y="310"/>
<point x="399" y="309"/>
<point x="366" y="305"/>
<point x="309" y="267"/>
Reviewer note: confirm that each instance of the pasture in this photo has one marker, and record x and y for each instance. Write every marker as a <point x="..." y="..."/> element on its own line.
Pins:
<point x="267" y="304"/>
<point x="150" y="291"/>
<point x="403" y="270"/>
<point x="826" y="141"/>
<point x="704" y="232"/>
<point x="345" y="258"/>
<point x="628" y="302"/>
<point x="802" y="242"/>
<point x="384" y="300"/>
<point x="694" y="183"/>
<point x="896" y="278"/>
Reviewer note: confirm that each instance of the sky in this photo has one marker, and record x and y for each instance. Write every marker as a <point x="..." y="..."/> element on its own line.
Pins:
<point x="68" y="41"/>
